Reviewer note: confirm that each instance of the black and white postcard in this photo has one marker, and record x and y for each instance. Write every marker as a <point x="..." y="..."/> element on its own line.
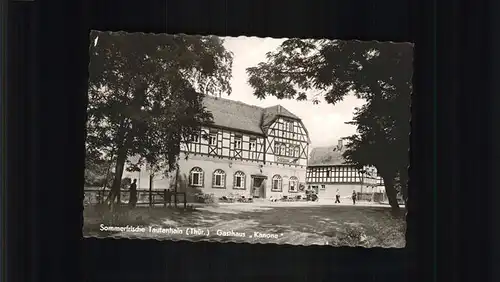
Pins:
<point x="247" y="139"/>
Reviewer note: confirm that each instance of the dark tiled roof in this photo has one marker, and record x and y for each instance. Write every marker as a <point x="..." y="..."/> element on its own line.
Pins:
<point x="272" y="112"/>
<point x="240" y="116"/>
<point x="234" y="114"/>
<point x="325" y="156"/>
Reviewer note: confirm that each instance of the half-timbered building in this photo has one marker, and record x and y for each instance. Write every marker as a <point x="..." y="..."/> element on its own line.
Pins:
<point x="327" y="172"/>
<point x="247" y="150"/>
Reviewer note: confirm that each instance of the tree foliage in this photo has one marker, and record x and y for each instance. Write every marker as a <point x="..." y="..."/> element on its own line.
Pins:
<point x="97" y="174"/>
<point x="144" y="95"/>
<point x="325" y="70"/>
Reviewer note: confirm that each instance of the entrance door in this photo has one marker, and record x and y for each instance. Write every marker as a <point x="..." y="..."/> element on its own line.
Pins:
<point x="258" y="187"/>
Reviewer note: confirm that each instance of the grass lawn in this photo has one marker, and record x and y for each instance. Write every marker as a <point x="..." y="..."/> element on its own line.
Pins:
<point x="311" y="225"/>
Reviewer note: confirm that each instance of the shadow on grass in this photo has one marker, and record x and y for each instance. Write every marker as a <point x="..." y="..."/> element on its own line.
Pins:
<point x="335" y="226"/>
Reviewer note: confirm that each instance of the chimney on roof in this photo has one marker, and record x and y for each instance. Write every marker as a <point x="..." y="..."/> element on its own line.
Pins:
<point x="279" y="109"/>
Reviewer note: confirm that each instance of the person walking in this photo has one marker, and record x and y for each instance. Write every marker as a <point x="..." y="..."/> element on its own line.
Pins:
<point x="133" y="194"/>
<point x="337" y="197"/>
<point x="353" y="197"/>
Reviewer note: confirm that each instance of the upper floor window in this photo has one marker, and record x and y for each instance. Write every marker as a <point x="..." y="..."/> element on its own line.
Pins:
<point x="277" y="147"/>
<point x="277" y="183"/>
<point x="239" y="180"/>
<point x="288" y="150"/>
<point x="212" y="139"/>
<point x="253" y="144"/>
<point x="219" y="179"/>
<point x="237" y="142"/>
<point x="296" y="151"/>
<point x="196" y="176"/>
<point x="283" y="150"/>
<point x="195" y="137"/>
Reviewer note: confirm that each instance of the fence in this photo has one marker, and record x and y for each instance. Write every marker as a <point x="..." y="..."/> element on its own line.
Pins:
<point x="94" y="196"/>
<point x="377" y="197"/>
<point x="371" y="197"/>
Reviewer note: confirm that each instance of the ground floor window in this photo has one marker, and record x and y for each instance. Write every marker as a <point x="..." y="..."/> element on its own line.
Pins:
<point x="219" y="179"/>
<point x="239" y="180"/>
<point x="196" y="176"/>
<point x="294" y="182"/>
<point x="277" y="183"/>
<point x="323" y="187"/>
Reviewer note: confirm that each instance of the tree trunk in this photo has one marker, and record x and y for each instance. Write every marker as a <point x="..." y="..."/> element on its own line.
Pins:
<point x="403" y="182"/>
<point x="117" y="181"/>
<point x="124" y="140"/>
<point x="105" y="184"/>
<point x="404" y="193"/>
<point x="151" y="177"/>
<point x="176" y="185"/>
<point x="391" y="192"/>
<point x="121" y="158"/>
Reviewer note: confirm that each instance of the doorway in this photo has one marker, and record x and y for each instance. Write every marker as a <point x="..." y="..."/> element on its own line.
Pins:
<point x="258" y="187"/>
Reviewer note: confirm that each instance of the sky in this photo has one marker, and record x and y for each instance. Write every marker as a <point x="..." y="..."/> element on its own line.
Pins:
<point x="324" y="122"/>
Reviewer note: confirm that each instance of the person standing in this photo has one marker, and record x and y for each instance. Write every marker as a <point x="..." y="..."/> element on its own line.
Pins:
<point x="353" y="197"/>
<point x="337" y="197"/>
<point x="133" y="194"/>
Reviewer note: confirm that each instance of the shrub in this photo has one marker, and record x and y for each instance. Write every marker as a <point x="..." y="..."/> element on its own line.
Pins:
<point x="205" y="198"/>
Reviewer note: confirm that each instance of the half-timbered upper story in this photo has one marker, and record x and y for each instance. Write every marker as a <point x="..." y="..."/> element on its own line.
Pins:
<point x="249" y="133"/>
<point x="327" y="166"/>
<point x="287" y="140"/>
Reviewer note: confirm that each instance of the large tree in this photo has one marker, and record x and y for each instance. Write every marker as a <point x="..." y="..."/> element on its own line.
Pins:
<point x="144" y="95"/>
<point x="383" y="142"/>
<point x="379" y="73"/>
